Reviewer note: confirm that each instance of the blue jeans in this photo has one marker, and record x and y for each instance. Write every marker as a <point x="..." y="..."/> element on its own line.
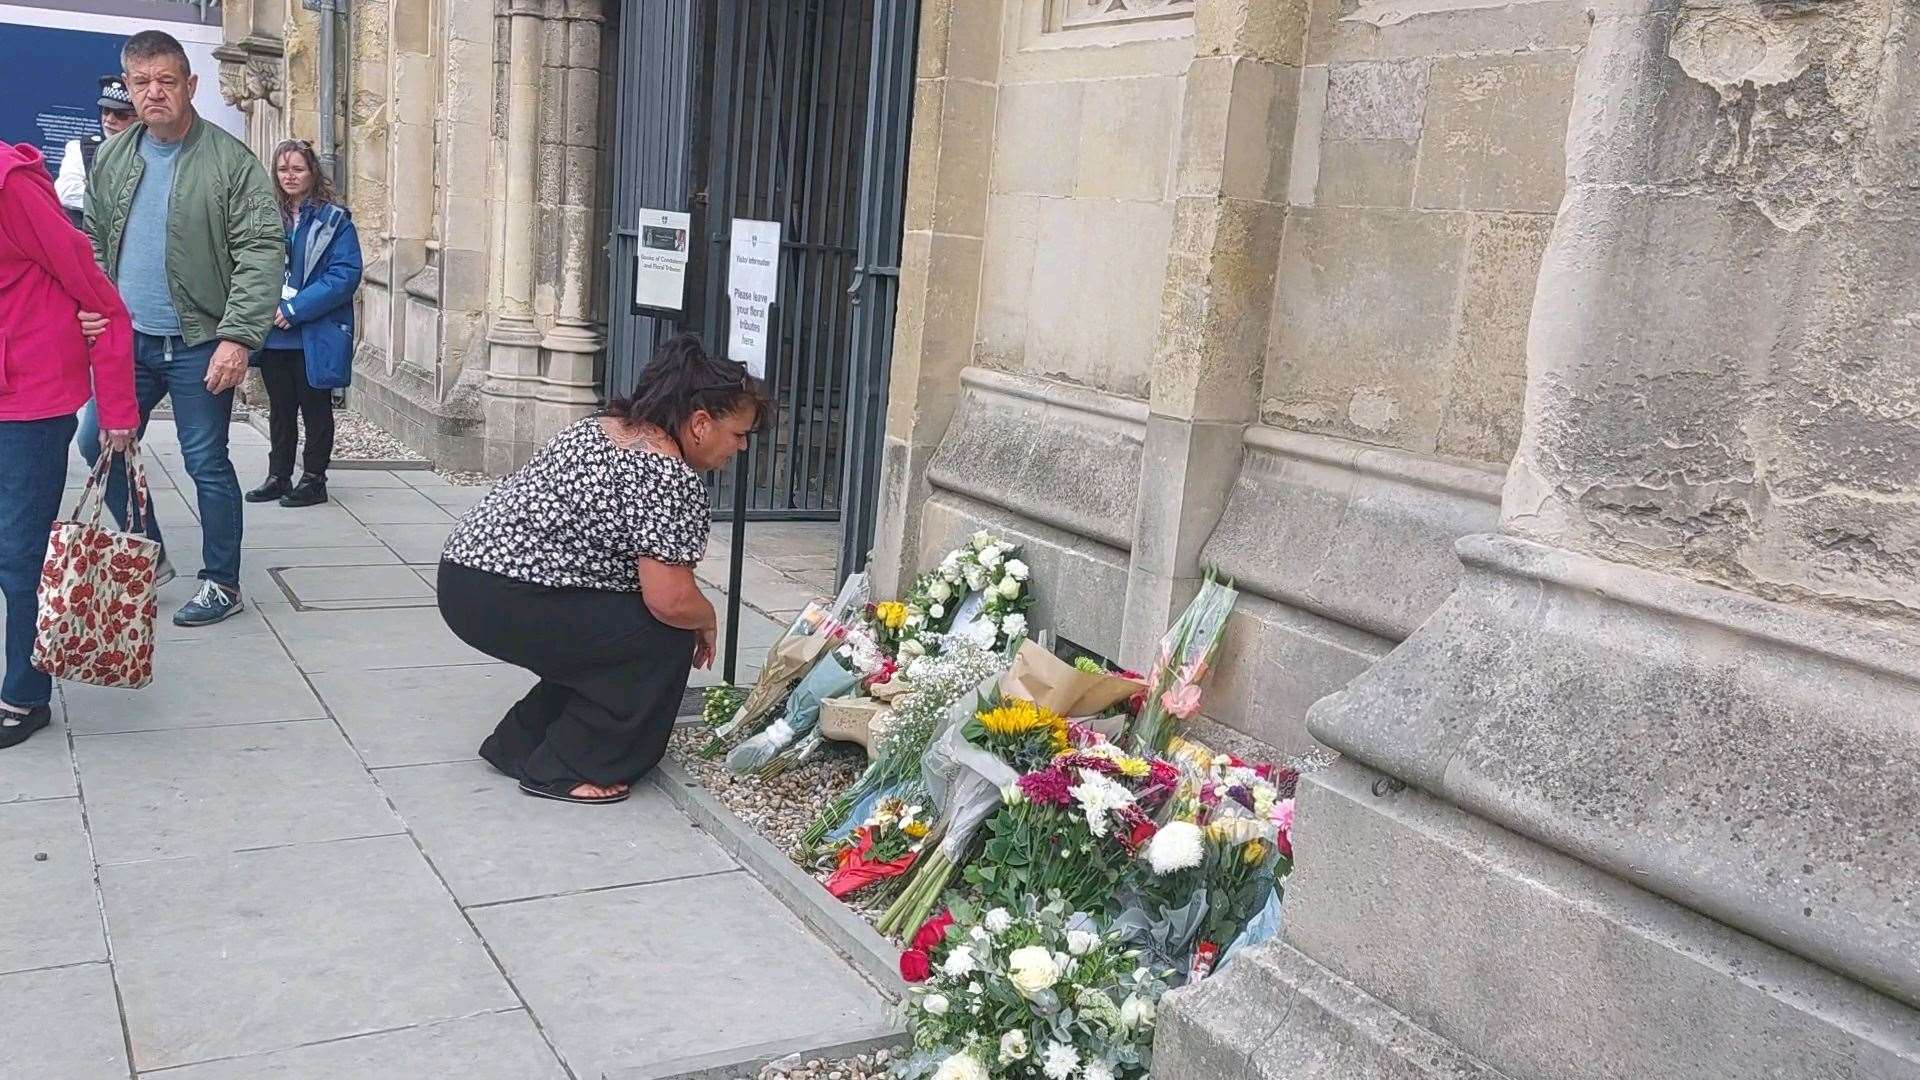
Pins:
<point x="168" y="367"/>
<point x="35" y="456"/>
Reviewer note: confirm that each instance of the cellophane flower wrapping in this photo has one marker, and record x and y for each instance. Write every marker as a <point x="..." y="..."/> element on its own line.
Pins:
<point x="816" y="630"/>
<point x="1185" y="659"/>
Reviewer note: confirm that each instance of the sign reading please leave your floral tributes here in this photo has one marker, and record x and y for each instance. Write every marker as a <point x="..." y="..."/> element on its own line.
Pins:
<point x="753" y="281"/>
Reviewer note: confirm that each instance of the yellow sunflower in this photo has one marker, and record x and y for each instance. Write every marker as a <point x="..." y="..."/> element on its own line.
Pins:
<point x="1016" y="718"/>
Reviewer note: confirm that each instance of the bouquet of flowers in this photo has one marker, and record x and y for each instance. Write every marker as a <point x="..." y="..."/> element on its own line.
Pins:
<point x="883" y="847"/>
<point x="1186" y="656"/>
<point x="937" y="682"/>
<point x="827" y="678"/>
<point x="966" y="770"/>
<point x="1037" y="994"/>
<point x="1216" y="863"/>
<point x="719" y="703"/>
<point x="811" y="635"/>
<point x="1071" y="829"/>
<point x="978" y="593"/>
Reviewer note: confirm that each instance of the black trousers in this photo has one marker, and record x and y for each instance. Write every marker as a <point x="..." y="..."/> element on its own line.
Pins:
<point x="289" y="399"/>
<point x="611" y="675"/>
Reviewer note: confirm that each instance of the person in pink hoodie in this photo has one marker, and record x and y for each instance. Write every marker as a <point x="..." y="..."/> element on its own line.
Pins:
<point x="48" y="370"/>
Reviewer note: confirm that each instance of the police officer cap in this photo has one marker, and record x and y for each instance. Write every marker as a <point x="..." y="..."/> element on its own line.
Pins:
<point x="114" y="95"/>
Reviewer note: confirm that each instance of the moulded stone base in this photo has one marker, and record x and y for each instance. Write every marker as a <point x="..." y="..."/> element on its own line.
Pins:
<point x="404" y="404"/>
<point x="1421" y="941"/>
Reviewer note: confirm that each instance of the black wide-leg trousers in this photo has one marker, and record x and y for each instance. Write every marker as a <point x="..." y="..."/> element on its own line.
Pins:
<point x="611" y="675"/>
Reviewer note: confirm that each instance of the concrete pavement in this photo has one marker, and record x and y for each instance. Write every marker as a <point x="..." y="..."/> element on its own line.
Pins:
<point x="282" y="859"/>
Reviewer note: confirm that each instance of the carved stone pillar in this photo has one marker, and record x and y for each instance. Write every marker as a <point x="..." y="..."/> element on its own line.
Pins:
<point x="1638" y="800"/>
<point x="252" y="80"/>
<point x="569" y="388"/>
<point x="513" y="362"/>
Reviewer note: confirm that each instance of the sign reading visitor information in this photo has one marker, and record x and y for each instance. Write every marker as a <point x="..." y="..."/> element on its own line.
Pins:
<point x="753" y="277"/>
<point x="660" y="264"/>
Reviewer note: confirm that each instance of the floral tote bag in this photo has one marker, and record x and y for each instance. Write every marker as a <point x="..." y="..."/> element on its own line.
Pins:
<point x="97" y="592"/>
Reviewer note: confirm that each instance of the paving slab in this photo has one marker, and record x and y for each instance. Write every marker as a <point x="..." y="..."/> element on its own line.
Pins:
<point x="218" y="677"/>
<point x="421" y="716"/>
<point x="41" y="767"/>
<point x="269" y="525"/>
<point x="456" y="500"/>
<point x="491" y="842"/>
<point x="495" y="1046"/>
<point x="370" y="640"/>
<point x="679" y="968"/>
<point x="52" y="916"/>
<point x="257" y="564"/>
<point x="338" y="583"/>
<point x="241" y="954"/>
<point x="420" y="544"/>
<point x="339" y="478"/>
<point x="390" y="506"/>
<point x="61" y="1024"/>
<point x="205" y="791"/>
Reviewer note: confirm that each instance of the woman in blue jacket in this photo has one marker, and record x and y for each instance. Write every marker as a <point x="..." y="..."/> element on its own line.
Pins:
<point x="309" y="352"/>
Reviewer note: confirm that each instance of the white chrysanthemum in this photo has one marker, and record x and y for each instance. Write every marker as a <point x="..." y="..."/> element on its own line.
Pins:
<point x="1017" y="569"/>
<point x="1060" y="1061"/>
<point x="961" y="1066"/>
<point x="999" y="920"/>
<point x="1097" y="1069"/>
<point x="1080" y="943"/>
<point x="935" y="1004"/>
<point x="1014" y="625"/>
<point x="979" y="634"/>
<point x="1099" y="796"/>
<point x="976" y="578"/>
<point x="959" y="963"/>
<point x="1179" y="845"/>
<point x="937" y="611"/>
<point x="1013" y="1047"/>
<point x="992" y="555"/>
<point x="1032" y="969"/>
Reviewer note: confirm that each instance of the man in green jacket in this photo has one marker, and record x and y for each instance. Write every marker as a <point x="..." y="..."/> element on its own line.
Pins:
<point x="183" y="219"/>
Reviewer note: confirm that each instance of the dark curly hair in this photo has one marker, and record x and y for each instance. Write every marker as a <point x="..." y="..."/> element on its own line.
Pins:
<point x="683" y="378"/>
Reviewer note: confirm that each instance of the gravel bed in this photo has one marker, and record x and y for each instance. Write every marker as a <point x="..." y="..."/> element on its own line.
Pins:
<point x="863" y="1067"/>
<point x="467" y="479"/>
<point x="355" y="438"/>
<point x="779" y="809"/>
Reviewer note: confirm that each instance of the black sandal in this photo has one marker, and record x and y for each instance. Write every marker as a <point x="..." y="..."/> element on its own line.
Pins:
<point x="26" y="724"/>
<point x="562" y="790"/>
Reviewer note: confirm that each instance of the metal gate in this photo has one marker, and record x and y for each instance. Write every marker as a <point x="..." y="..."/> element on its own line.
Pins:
<point x="793" y="111"/>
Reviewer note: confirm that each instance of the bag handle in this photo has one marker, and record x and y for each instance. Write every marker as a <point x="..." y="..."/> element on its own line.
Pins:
<point x="93" y="497"/>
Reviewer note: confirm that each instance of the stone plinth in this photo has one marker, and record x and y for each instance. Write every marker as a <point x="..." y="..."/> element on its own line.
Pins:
<point x="1639" y="799"/>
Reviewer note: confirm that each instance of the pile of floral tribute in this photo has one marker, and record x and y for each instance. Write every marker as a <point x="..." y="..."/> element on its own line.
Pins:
<point x="1057" y="851"/>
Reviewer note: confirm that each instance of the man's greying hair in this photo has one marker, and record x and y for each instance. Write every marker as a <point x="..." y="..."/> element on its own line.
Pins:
<point x="153" y="45"/>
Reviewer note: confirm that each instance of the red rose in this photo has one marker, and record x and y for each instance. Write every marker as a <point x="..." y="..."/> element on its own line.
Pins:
<point x="915" y="965"/>
<point x="932" y="932"/>
<point x="1284" y="841"/>
<point x="1137" y="702"/>
<point x="1141" y="833"/>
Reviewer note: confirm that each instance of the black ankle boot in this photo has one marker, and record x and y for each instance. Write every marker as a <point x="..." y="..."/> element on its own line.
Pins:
<point x="311" y="491"/>
<point x="273" y="488"/>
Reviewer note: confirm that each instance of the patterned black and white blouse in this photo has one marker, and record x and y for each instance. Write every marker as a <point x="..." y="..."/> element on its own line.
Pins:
<point x="582" y="511"/>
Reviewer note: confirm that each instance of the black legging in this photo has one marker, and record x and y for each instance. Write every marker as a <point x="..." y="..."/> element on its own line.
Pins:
<point x="611" y="675"/>
<point x="290" y="399"/>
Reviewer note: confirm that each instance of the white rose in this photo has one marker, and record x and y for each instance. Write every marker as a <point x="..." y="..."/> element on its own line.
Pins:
<point x="1136" y="1011"/>
<point x="961" y="1066"/>
<point x="1013" y="1046"/>
<point x="935" y="1004"/>
<point x="937" y="611"/>
<point x="982" y="539"/>
<point x="992" y="556"/>
<point x="1009" y="588"/>
<point x="959" y="962"/>
<point x="1080" y="943"/>
<point x="1017" y="569"/>
<point x="999" y="919"/>
<point x="1014" y="625"/>
<point x="1032" y="970"/>
<point x="976" y="578"/>
<point x="941" y="591"/>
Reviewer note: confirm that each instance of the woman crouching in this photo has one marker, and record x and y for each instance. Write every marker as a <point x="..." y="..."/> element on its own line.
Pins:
<point x="579" y="568"/>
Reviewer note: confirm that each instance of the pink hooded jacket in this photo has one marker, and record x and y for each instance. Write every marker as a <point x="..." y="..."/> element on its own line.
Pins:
<point x="47" y="276"/>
